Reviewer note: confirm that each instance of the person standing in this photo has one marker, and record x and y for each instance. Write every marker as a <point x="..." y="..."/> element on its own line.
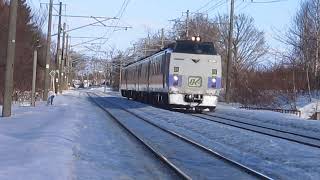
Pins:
<point x="51" y="96"/>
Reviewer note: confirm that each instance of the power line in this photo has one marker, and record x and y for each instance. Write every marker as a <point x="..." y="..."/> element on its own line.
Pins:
<point x="239" y="4"/>
<point x="77" y="16"/>
<point x="204" y="5"/>
<point x="244" y="7"/>
<point x="218" y="4"/>
<point x="265" y="2"/>
<point x="119" y="15"/>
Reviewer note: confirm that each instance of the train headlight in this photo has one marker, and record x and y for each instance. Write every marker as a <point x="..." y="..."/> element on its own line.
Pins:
<point x="214" y="80"/>
<point x="196" y="38"/>
<point x="175" y="78"/>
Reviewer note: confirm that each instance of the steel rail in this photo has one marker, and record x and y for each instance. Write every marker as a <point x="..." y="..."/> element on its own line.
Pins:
<point x="252" y="128"/>
<point x="154" y="151"/>
<point x="200" y="146"/>
<point x="265" y="127"/>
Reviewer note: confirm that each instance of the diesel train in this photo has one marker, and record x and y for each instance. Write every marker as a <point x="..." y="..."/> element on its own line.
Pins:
<point x="185" y="74"/>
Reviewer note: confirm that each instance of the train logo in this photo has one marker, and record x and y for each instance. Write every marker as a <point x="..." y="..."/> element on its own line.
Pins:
<point x="195" y="60"/>
<point x="194" y="81"/>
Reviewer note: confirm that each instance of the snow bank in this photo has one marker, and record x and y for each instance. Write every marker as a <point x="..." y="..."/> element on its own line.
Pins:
<point x="309" y="109"/>
<point x="36" y="143"/>
<point x="73" y="139"/>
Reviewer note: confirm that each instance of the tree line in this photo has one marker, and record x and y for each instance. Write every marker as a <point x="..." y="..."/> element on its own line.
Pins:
<point x="29" y="36"/>
<point x="260" y="76"/>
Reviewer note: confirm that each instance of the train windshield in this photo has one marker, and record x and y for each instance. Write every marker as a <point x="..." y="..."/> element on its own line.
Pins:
<point x="191" y="47"/>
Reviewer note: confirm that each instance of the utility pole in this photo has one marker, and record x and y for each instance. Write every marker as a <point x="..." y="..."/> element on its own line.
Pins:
<point x="229" y="57"/>
<point x="8" y="83"/>
<point x="48" y="55"/>
<point x="120" y="73"/>
<point x="58" y="50"/>
<point x="317" y="38"/>
<point x="34" y="76"/>
<point x="61" y="64"/>
<point x="187" y="25"/>
<point x="67" y="62"/>
<point x="162" y="38"/>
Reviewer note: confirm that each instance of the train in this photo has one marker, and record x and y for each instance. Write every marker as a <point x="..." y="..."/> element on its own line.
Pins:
<point x="185" y="74"/>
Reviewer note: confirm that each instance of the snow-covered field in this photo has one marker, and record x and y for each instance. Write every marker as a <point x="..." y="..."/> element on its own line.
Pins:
<point x="271" y="119"/>
<point x="303" y="103"/>
<point x="73" y="139"/>
<point x="278" y="158"/>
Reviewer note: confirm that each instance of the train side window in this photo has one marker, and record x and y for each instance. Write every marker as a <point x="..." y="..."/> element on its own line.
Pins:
<point x="159" y="67"/>
<point x="151" y="68"/>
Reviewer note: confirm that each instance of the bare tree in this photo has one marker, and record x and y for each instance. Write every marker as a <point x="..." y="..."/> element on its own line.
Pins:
<point x="303" y="40"/>
<point x="249" y="46"/>
<point x="29" y="33"/>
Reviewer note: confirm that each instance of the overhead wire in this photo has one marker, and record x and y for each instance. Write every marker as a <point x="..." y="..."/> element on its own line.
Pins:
<point x="244" y="7"/>
<point x="265" y="2"/>
<point x="218" y="4"/>
<point x="119" y="15"/>
<point x="205" y="5"/>
<point x="103" y="36"/>
<point x="108" y="34"/>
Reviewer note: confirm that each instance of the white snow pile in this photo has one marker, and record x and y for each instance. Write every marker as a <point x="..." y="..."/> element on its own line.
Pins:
<point x="308" y="110"/>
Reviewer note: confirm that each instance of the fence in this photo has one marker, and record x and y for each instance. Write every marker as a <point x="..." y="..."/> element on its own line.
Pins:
<point x="286" y="111"/>
<point x="24" y="98"/>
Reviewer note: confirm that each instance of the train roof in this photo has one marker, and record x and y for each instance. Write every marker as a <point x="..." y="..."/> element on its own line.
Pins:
<point x="173" y="47"/>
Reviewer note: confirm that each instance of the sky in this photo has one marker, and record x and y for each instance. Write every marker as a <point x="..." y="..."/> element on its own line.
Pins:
<point x="151" y="15"/>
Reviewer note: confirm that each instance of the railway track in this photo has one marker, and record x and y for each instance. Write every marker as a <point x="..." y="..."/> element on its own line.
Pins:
<point x="261" y="129"/>
<point x="189" y="159"/>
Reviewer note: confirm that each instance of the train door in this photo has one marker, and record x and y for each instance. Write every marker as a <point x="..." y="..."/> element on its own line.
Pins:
<point x="139" y="77"/>
<point x="148" y="78"/>
<point x="163" y="69"/>
<point x="167" y="68"/>
<point x="126" y="78"/>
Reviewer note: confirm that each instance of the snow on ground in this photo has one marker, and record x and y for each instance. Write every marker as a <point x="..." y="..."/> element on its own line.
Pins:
<point x="302" y="103"/>
<point x="276" y="157"/>
<point x="275" y="119"/>
<point x="309" y="109"/>
<point x="73" y="139"/>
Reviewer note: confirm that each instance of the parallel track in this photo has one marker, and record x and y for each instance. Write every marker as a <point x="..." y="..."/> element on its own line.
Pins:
<point x="286" y="135"/>
<point x="179" y="172"/>
<point x="182" y="174"/>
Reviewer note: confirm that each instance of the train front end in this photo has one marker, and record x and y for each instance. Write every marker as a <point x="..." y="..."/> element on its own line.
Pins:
<point x="194" y="75"/>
